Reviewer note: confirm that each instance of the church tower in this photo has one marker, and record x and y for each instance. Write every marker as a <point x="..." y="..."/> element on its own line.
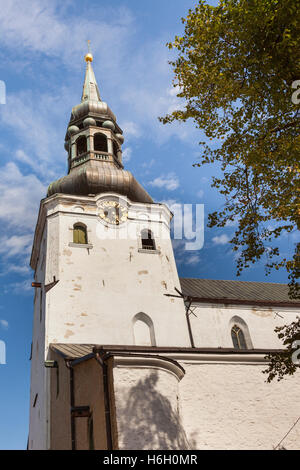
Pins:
<point x="102" y="255"/>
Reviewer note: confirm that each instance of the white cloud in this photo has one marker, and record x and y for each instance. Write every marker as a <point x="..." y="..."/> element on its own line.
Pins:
<point x="15" y="245"/>
<point x="19" y="197"/>
<point x="170" y="203"/>
<point x="200" y="194"/>
<point x="47" y="30"/>
<point x="130" y="129"/>
<point x="232" y="223"/>
<point x="169" y="182"/>
<point x="192" y="260"/>
<point x="22" y="287"/>
<point x="183" y="256"/>
<point x="21" y="269"/>
<point x="4" y="324"/>
<point x="44" y="27"/>
<point x="24" y="158"/>
<point x="174" y="90"/>
<point x="149" y="164"/>
<point x="37" y="120"/>
<point x="221" y="239"/>
<point x="126" y="154"/>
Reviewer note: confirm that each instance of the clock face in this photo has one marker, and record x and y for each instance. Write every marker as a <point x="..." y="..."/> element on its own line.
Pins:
<point x="113" y="212"/>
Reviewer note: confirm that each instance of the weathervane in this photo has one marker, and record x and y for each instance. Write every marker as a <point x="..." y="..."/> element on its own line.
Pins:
<point x="89" y="56"/>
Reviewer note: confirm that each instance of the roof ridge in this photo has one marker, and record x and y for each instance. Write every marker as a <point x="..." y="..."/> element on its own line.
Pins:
<point x="232" y="280"/>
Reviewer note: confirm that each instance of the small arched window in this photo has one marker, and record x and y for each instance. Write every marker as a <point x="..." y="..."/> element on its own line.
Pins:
<point x="100" y="143"/>
<point x="143" y="330"/>
<point x="81" y="145"/>
<point x="148" y="242"/>
<point x="238" y="337"/>
<point x="80" y="234"/>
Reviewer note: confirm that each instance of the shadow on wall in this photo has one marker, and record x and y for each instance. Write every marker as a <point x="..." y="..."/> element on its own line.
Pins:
<point x="148" y="420"/>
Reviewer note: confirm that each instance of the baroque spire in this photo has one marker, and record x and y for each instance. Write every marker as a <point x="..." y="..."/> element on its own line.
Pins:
<point x="90" y="88"/>
<point x="94" y="144"/>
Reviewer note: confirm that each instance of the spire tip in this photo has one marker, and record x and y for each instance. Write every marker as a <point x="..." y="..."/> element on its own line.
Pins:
<point x="89" y="56"/>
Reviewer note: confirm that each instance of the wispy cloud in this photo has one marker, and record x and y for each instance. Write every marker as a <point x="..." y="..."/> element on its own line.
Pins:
<point x="4" y="324"/>
<point x="19" y="197"/>
<point x="221" y="239"/>
<point x="15" y="245"/>
<point x="131" y="129"/>
<point x="169" y="182"/>
<point x="20" y="287"/>
<point x="127" y="154"/>
<point x="44" y="27"/>
<point x="183" y="256"/>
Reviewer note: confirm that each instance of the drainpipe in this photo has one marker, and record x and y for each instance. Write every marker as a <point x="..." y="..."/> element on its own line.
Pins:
<point x="73" y="436"/>
<point x="101" y="359"/>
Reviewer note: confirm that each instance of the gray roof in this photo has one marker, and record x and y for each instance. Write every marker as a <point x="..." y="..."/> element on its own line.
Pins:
<point x="95" y="177"/>
<point x="238" y="291"/>
<point x="72" y="351"/>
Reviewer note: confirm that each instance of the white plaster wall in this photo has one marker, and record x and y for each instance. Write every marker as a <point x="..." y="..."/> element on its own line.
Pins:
<point x="101" y="289"/>
<point x="147" y="409"/>
<point x="211" y="327"/>
<point x="38" y="384"/>
<point x="230" y="406"/>
<point x="218" y="404"/>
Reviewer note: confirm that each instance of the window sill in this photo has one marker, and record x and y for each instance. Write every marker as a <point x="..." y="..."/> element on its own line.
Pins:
<point x="153" y="252"/>
<point x="80" y="245"/>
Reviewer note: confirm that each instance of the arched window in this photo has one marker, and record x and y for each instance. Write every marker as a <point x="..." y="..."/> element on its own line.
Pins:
<point x="148" y="242"/>
<point x="143" y="330"/>
<point x="240" y="334"/>
<point x="238" y="338"/>
<point x="80" y="234"/>
<point x="100" y="143"/>
<point x="115" y="148"/>
<point x="81" y="146"/>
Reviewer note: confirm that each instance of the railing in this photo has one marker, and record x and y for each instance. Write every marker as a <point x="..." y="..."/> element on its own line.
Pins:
<point x="101" y="156"/>
<point x="148" y="247"/>
<point x="80" y="159"/>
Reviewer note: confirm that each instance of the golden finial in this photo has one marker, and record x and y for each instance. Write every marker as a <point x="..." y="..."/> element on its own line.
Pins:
<point x="89" y="56"/>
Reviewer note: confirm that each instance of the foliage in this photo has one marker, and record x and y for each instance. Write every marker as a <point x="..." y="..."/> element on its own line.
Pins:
<point x="235" y="69"/>
<point x="281" y="363"/>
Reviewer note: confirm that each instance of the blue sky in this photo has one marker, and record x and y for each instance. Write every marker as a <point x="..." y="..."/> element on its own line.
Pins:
<point x="41" y="62"/>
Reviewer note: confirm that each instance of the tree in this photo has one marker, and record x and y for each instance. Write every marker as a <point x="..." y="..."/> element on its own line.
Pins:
<point x="285" y="362"/>
<point x="237" y="68"/>
<point x="238" y="71"/>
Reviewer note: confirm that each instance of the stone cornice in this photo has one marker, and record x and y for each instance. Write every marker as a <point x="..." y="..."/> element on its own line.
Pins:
<point x="149" y="361"/>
